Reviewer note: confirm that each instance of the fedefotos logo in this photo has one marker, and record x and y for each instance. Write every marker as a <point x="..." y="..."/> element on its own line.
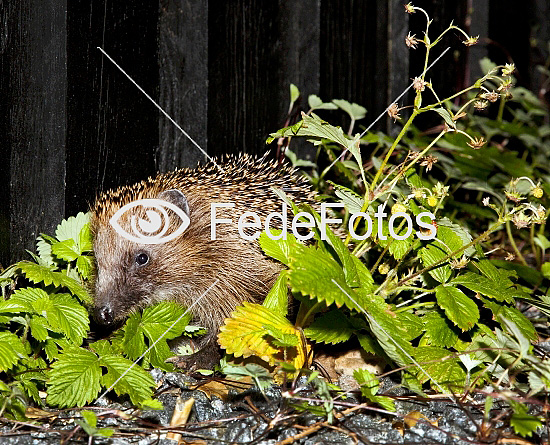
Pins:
<point x="152" y="228"/>
<point x="251" y="220"/>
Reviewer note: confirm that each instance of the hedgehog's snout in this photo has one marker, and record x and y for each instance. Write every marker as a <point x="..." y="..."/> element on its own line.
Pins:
<point x="104" y="315"/>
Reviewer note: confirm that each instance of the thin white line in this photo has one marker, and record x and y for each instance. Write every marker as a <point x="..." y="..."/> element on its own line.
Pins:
<point x="159" y="107"/>
<point x="158" y="339"/>
<point x="371" y="318"/>
<point x="385" y="111"/>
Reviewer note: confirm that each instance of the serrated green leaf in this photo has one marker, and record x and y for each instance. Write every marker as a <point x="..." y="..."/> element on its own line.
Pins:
<point x="352" y="201"/>
<point x="44" y="249"/>
<point x="279" y="338"/>
<point x="39" y="328"/>
<point x="278" y="249"/>
<point x="441" y="367"/>
<point x="431" y="254"/>
<point x="511" y="313"/>
<point x="137" y="383"/>
<point x="440" y="330"/>
<point x="277" y="298"/>
<point x="525" y="424"/>
<point x="74" y="379"/>
<point x="458" y="307"/>
<point x="84" y="264"/>
<point x="66" y="250"/>
<point x="315" y="273"/>
<point x="41" y="274"/>
<point x="11" y="350"/>
<point x="152" y="324"/>
<point x="332" y="327"/>
<point x="480" y="284"/>
<point x="70" y="228"/>
<point x="85" y="239"/>
<point x="369" y="387"/>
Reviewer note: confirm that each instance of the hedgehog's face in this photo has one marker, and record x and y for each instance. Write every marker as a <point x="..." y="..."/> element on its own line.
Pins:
<point x="124" y="277"/>
<point x="128" y="274"/>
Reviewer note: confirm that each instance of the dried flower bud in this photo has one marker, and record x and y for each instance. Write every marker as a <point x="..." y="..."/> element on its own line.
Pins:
<point x="521" y="220"/>
<point x="514" y="196"/>
<point x="471" y="41"/>
<point x="419" y="84"/>
<point x="491" y="97"/>
<point x="409" y="8"/>
<point x="508" y="69"/>
<point x="393" y="112"/>
<point x="509" y="256"/>
<point x="428" y="162"/>
<point x="411" y="41"/>
<point x="398" y="207"/>
<point x="480" y="104"/>
<point x="476" y="143"/>
<point x="459" y="264"/>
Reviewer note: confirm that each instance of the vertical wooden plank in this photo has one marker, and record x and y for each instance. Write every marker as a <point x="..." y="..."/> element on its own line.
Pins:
<point x="34" y="89"/>
<point x="510" y="35"/>
<point x="479" y="26"/>
<point x="255" y="50"/>
<point x="112" y="128"/>
<point x="398" y="58"/>
<point x="183" y="82"/>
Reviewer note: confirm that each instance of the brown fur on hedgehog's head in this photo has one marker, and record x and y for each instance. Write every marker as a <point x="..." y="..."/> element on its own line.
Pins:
<point x="131" y="275"/>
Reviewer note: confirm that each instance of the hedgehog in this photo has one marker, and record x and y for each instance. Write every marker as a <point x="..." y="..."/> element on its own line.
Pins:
<point x="131" y="275"/>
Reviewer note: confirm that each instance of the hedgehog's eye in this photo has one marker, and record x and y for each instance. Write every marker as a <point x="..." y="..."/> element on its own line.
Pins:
<point x="142" y="259"/>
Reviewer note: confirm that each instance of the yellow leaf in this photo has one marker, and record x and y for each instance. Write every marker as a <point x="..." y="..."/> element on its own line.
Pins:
<point x="244" y="334"/>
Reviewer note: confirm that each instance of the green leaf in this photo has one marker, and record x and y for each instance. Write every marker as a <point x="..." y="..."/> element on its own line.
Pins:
<point x="545" y="269"/>
<point x="294" y="93"/>
<point x="512" y="314"/>
<point x="480" y="284"/>
<point x="41" y="274"/>
<point x="446" y="116"/>
<point x="369" y="387"/>
<point x="84" y="264"/>
<point x="458" y="307"/>
<point x="352" y="201"/>
<point x="354" y="110"/>
<point x="279" y="338"/>
<point x="277" y="298"/>
<point x="314" y="272"/>
<point x="70" y="228"/>
<point x="332" y="327"/>
<point x="439" y="330"/>
<point x="74" y="379"/>
<point x="278" y="249"/>
<point x="152" y="324"/>
<point x="11" y="350"/>
<point x="315" y="103"/>
<point x="137" y="382"/>
<point x="62" y="312"/>
<point x="66" y="250"/>
<point x="39" y="328"/>
<point x="430" y="255"/>
<point x="441" y="367"/>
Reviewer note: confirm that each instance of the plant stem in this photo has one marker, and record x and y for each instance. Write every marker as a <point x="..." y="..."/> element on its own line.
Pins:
<point x="392" y="148"/>
<point x="456" y="252"/>
<point x="513" y="243"/>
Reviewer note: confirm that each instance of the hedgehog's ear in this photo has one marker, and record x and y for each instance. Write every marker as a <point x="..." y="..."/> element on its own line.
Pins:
<point x="177" y="198"/>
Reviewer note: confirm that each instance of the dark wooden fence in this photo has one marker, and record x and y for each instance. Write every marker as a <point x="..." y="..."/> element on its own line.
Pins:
<point x="73" y="125"/>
